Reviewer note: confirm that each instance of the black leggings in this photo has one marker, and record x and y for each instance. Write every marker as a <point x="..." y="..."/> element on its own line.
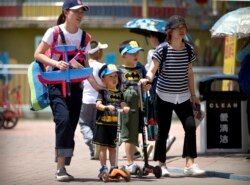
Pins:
<point x="184" y="112"/>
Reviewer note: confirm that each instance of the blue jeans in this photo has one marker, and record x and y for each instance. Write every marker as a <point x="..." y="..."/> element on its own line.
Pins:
<point x="66" y="113"/>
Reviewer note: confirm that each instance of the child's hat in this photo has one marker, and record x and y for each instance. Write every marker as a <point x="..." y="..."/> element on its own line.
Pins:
<point x="131" y="48"/>
<point x="95" y="46"/>
<point x="107" y="69"/>
<point x="74" y="5"/>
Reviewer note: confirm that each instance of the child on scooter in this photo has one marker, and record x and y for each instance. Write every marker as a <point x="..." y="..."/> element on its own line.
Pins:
<point x="131" y="73"/>
<point x="107" y="102"/>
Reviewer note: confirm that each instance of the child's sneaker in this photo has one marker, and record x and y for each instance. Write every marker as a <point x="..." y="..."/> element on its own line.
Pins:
<point x="164" y="171"/>
<point x="62" y="175"/>
<point x="102" y="170"/>
<point x="193" y="170"/>
<point x="132" y="167"/>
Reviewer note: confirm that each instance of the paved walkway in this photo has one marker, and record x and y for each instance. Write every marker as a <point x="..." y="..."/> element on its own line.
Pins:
<point x="27" y="154"/>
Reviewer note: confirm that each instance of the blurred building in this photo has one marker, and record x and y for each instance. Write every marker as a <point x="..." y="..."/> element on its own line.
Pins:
<point x="23" y="22"/>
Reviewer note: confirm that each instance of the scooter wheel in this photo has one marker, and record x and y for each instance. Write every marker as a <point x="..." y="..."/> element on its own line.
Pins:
<point x="10" y="119"/>
<point x="157" y="171"/>
<point x="139" y="172"/>
<point x="128" y="176"/>
<point x="105" y="176"/>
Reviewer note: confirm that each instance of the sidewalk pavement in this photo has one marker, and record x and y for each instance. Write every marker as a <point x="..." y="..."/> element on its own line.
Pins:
<point x="27" y="155"/>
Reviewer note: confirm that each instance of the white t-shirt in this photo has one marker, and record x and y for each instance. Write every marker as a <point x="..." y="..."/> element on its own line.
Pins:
<point x="89" y="93"/>
<point x="72" y="39"/>
<point x="149" y="58"/>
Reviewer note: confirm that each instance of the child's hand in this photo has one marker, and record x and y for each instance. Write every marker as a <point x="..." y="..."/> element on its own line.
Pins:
<point x="126" y="109"/>
<point x="111" y="108"/>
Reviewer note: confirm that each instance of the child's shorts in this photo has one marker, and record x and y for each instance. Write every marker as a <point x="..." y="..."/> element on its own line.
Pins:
<point x="130" y="121"/>
<point x="105" y="136"/>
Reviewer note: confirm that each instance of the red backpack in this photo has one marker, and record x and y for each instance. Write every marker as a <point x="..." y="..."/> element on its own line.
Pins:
<point x="38" y="90"/>
<point x="56" y="32"/>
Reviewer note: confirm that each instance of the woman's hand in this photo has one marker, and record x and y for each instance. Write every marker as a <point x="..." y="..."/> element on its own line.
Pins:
<point x="62" y="65"/>
<point x="146" y="84"/>
<point x="195" y="101"/>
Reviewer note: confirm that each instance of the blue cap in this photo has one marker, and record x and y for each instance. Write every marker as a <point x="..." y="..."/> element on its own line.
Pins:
<point x="74" y="5"/>
<point x="107" y="69"/>
<point x="131" y="48"/>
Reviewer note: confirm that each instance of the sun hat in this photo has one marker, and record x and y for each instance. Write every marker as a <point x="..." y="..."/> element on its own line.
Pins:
<point x="95" y="46"/>
<point x="131" y="48"/>
<point x="74" y="5"/>
<point x="107" y="69"/>
<point x="174" y="21"/>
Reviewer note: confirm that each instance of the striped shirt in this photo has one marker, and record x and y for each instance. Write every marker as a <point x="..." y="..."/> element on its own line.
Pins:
<point x="172" y="83"/>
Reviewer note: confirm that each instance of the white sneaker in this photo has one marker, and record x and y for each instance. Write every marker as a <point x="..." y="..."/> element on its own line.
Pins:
<point x="164" y="171"/>
<point x="193" y="170"/>
<point x="132" y="167"/>
<point x="170" y="141"/>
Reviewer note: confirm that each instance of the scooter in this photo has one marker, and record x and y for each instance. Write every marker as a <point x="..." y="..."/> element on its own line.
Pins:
<point x="117" y="173"/>
<point x="156" y="170"/>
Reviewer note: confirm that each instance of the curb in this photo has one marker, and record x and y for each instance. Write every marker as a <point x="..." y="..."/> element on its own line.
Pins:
<point x="216" y="174"/>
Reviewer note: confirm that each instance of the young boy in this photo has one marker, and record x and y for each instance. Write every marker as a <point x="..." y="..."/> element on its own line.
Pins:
<point x="130" y="74"/>
<point x="107" y="102"/>
<point x="87" y="118"/>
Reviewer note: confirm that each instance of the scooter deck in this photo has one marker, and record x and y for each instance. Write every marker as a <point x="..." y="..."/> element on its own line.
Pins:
<point x="115" y="175"/>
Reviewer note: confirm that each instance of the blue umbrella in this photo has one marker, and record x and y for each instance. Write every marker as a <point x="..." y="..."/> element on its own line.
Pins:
<point x="144" y="26"/>
<point x="235" y="23"/>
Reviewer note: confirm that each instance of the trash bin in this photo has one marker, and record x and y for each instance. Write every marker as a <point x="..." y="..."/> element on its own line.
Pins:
<point x="224" y="128"/>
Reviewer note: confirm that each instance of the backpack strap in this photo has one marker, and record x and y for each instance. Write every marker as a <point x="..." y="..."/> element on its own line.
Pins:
<point x="62" y="35"/>
<point x="83" y="43"/>
<point x="164" y="55"/>
<point x="56" y="32"/>
<point x="189" y="50"/>
<point x="50" y="52"/>
<point x="55" y="35"/>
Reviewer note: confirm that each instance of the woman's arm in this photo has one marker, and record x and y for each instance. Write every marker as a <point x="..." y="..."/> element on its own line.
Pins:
<point x="194" y="99"/>
<point x="152" y="70"/>
<point x="40" y="56"/>
<point x="91" y="78"/>
<point x="94" y="83"/>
